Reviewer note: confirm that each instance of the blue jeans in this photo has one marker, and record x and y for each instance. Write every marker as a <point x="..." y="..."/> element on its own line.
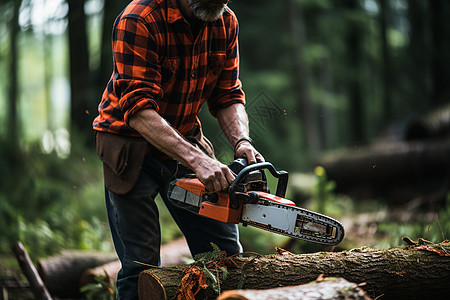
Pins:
<point x="135" y="229"/>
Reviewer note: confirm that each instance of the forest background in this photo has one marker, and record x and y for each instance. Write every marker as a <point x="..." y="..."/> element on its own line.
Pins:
<point x="319" y="75"/>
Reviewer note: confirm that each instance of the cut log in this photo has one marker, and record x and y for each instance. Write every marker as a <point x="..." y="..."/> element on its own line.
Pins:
<point x="61" y="273"/>
<point x="411" y="272"/>
<point x="328" y="288"/>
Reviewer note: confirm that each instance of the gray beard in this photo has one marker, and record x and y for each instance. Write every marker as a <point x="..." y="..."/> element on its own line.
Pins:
<point x="204" y="12"/>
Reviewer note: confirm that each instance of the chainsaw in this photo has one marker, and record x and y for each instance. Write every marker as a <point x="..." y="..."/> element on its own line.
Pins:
<point x="249" y="201"/>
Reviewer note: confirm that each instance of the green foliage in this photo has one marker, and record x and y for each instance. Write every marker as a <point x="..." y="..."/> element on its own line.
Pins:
<point x="52" y="203"/>
<point x="210" y="263"/>
<point x="102" y="290"/>
<point x="323" y="190"/>
<point x="210" y="255"/>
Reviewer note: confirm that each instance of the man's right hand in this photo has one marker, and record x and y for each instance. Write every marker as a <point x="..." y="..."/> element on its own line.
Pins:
<point x="213" y="174"/>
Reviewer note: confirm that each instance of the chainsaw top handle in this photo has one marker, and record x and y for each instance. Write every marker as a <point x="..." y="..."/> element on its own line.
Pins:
<point x="282" y="177"/>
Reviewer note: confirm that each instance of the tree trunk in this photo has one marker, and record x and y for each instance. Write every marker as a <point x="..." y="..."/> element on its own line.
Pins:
<point x="305" y="106"/>
<point x="412" y="272"/>
<point x="329" y="288"/>
<point x="419" y="53"/>
<point x="440" y="30"/>
<point x="110" y="12"/>
<point x="13" y="96"/>
<point x="353" y="41"/>
<point x="387" y="65"/>
<point x="83" y="105"/>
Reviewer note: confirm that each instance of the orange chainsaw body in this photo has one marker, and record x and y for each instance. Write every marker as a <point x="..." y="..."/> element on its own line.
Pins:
<point x="221" y="209"/>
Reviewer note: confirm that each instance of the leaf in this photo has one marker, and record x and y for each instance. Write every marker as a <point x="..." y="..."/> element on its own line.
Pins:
<point x="433" y="250"/>
<point x="224" y="273"/>
<point x="191" y="283"/>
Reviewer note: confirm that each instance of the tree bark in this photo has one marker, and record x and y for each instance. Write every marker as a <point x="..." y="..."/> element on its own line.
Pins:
<point x="411" y="272"/>
<point x="329" y="288"/>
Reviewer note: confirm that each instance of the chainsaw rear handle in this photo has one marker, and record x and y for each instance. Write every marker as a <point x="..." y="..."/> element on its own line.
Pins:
<point x="282" y="177"/>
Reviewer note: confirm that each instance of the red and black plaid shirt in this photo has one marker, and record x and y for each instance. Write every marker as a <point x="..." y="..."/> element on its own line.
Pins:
<point x="159" y="64"/>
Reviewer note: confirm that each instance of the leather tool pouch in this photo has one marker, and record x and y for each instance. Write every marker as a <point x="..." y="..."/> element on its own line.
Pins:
<point x="122" y="158"/>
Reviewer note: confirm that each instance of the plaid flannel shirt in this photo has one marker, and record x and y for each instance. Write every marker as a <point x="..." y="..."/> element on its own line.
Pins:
<point x="158" y="64"/>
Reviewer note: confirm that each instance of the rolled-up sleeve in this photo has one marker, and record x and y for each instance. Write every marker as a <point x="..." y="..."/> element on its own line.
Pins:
<point x="228" y="89"/>
<point x="137" y="77"/>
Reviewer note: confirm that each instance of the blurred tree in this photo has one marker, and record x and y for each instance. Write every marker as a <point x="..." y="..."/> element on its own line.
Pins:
<point x="354" y="56"/>
<point x="305" y="106"/>
<point x="386" y="62"/>
<point x="111" y="10"/>
<point x="418" y="64"/>
<point x="83" y="104"/>
<point x="12" y="121"/>
<point x="440" y="32"/>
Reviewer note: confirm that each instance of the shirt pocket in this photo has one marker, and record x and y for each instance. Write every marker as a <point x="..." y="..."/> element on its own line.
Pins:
<point x="169" y="72"/>
<point x="216" y="63"/>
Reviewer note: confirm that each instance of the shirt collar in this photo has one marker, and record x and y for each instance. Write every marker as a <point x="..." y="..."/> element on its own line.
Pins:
<point x="173" y="11"/>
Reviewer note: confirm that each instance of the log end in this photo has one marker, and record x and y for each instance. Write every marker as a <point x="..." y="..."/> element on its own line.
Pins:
<point x="150" y="287"/>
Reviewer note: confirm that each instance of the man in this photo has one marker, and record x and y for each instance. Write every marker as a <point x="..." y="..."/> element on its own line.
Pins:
<point x="170" y="56"/>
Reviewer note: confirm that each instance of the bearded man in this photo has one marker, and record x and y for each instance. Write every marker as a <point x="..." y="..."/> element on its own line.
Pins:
<point x="170" y="56"/>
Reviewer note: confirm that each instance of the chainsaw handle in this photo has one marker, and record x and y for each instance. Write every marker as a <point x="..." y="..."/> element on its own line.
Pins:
<point x="282" y="177"/>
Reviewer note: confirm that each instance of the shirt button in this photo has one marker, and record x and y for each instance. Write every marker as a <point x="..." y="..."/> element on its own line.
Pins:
<point x="193" y="75"/>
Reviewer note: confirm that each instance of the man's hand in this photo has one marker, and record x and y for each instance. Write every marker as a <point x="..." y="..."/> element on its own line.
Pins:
<point x="213" y="174"/>
<point x="246" y="150"/>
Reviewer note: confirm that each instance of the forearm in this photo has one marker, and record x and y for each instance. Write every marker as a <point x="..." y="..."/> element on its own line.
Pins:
<point x="233" y="121"/>
<point x="161" y="134"/>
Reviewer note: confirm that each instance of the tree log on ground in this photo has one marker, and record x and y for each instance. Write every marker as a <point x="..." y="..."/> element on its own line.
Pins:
<point x="328" y="288"/>
<point x="412" y="272"/>
<point x="403" y="169"/>
<point x="61" y="273"/>
<point x="435" y="124"/>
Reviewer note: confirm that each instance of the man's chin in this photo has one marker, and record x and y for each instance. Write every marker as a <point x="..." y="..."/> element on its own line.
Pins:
<point x="207" y="14"/>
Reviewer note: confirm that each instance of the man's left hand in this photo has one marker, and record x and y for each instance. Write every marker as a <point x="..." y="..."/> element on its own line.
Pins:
<point x="246" y="150"/>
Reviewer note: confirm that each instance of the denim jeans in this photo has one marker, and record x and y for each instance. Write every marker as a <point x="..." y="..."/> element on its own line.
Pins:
<point x="135" y="229"/>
